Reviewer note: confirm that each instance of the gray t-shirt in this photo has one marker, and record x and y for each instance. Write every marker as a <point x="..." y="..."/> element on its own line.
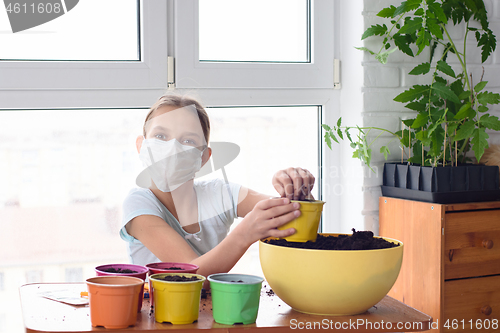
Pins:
<point x="217" y="209"/>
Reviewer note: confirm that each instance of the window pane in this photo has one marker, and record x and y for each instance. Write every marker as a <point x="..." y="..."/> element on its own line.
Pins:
<point x="270" y="139"/>
<point x="92" y="30"/>
<point x="256" y="30"/>
<point x="63" y="176"/>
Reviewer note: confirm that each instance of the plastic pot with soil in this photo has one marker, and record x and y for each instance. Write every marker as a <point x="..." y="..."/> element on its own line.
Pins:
<point x="113" y="300"/>
<point x="235" y="297"/>
<point x="176" y="297"/>
<point x="306" y="225"/>
<point x="125" y="270"/>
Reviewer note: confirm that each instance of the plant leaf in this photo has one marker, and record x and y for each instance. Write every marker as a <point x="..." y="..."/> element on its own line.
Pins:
<point x="465" y="130"/>
<point x="402" y="44"/>
<point x="348" y="135"/>
<point x="411" y="26"/>
<point x="445" y="68"/>
<point x="416" y="106"/>
<point x="421" y="69"/>
<point x="339" y="122"/>
<point x="411" y="94"/>
<point x="423" y="137"/>
<point x="339" y="132"/>
<point x="408" y="122"/>
<point x="374" y="30"/>
<point x="490" y="122"/>
<point x="365" y="49"/>
<point x="384" y="150"/>
<point x="407" y="6"/>
<point x="479" y="142"/>
<point x="326" y="127"/>
<point x="382" y="56"/>
<point x="480" y="86"/>
<point x="387" y="12"/>
<point x="464" y="112"/>
<point x="445" y="92"/>
<point x="488" y="98"/>
<point x="434" y="28"/>
<point x="439" y="12"/>
<point x="423" y="40"/>
<point x="328" y="141"/>
<point x="421" y="120"/>
<point x="464" y="95"/>
<point x="482" y="108"/>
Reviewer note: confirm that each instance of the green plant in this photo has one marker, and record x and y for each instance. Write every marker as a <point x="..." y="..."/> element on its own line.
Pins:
<point x="451" y="112"/>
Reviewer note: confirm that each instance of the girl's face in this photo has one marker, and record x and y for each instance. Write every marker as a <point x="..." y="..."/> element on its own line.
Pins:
<point x="182" y="124"/>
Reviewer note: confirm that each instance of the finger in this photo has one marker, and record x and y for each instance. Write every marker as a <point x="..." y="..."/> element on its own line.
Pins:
<point x="281" y="210"/>
<point x="312" y="180"/>
<point x="284" y="219"/>
<point x="287" y="184"/>
<point x="277" y="184"/>
<point x="297" y="183"/>
<point x="272" y="202"/>
<point x="304" y="190"/>
<point x="281" y="233"/>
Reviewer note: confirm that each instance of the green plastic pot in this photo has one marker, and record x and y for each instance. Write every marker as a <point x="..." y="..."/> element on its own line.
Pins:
<point x="235" y="302"/>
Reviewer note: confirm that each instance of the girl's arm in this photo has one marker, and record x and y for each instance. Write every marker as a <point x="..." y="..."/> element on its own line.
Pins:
<point x="167" y="245"/>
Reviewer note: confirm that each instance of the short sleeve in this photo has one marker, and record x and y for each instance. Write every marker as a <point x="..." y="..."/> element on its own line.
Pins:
<point x="218" y="198"/>
<point x="138" y="202"/>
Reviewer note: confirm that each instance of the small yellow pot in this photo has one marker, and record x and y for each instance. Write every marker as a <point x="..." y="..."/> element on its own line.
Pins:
<point x="176" y="302"/>
<point x="306" y="225"/>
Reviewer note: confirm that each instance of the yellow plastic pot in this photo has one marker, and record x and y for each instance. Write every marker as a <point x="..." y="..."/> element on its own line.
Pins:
<point x="330" y="282"/>
<point x="113" y="300"/>
<point x="306" y="225"/>
<point x="176" y="302"/>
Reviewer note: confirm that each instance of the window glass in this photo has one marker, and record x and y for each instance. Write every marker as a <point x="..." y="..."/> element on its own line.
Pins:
<point x="91" y="30"/>
<point x="64" y="175"/>
<point x="257" y="30"/>
<point x="270" y="139"/>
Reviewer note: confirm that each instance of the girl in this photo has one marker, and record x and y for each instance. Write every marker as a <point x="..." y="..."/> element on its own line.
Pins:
<point x="173" y="218"/>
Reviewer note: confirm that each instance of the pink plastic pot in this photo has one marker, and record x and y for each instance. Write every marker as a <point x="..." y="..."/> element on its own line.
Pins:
<point x="142" y="273"/>
<point x="163" y="267"/>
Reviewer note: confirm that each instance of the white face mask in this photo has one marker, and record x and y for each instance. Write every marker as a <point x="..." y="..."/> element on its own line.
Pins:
<point x="170" y="163"/>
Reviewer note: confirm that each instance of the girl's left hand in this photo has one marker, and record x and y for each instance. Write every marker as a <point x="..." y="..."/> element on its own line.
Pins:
<point x="294" y="183"/>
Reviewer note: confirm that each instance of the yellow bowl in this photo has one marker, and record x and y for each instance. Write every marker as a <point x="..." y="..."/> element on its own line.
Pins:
<point x="330" y="282"/>
<point x="306" y="225"/>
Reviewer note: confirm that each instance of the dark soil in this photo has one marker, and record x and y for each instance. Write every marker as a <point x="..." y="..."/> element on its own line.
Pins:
<point x="119" y="270"/>
<point x="270" y="292"/>
<point x="179" y="278"/>
<point x="239" y="281"/>
<point x="174" y="268"/>
<point x="359" y="240"/>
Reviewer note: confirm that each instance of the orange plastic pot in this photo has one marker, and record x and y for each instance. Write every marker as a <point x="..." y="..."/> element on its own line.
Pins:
<point x="141" y="273"/>
<point x="113" y="300"/>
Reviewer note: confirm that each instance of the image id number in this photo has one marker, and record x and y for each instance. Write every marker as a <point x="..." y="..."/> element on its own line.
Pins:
<point x="478" y="324"/>
<point x="41" y="8"/>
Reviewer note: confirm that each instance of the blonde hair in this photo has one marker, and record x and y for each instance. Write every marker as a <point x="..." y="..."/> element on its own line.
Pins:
<point x="181" y="101"/>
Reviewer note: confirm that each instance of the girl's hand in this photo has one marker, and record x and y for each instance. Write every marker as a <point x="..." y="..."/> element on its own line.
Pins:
<point x="266" y="216"/>
<point x="294" y="183"/>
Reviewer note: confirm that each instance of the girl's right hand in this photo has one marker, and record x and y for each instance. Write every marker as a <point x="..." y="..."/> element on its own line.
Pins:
<point x="265" y="217"/>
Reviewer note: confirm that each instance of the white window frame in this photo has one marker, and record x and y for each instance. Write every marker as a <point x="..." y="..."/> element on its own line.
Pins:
<point x="66" y="84"/>
<point x="192" y="73"/>
<point x="269" y="84"/>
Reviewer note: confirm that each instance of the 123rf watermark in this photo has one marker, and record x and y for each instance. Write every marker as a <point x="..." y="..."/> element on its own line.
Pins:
<point x="357" y="324"/>
<point x="363" y="324"/>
